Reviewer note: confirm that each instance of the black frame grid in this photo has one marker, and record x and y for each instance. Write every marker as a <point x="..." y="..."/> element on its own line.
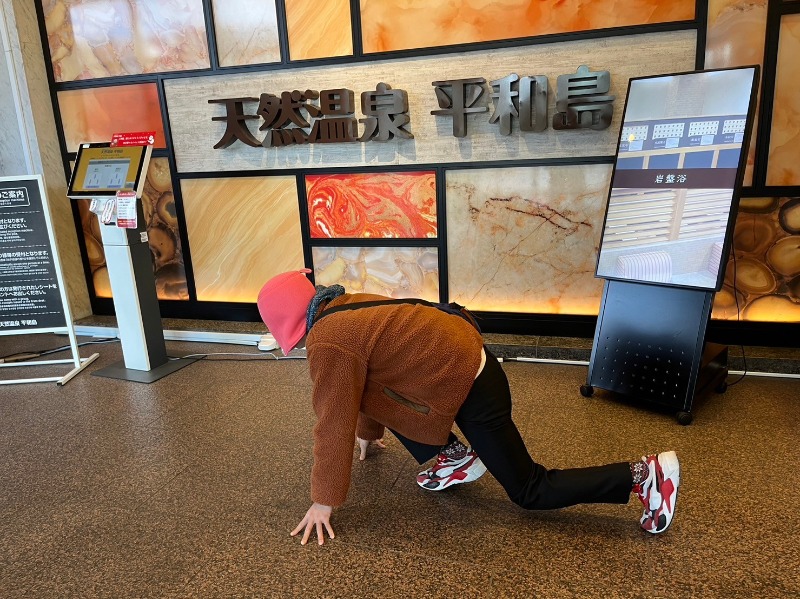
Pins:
<point x="545" y="324"/>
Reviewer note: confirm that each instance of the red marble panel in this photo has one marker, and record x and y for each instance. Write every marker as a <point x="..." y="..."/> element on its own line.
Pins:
<point x="383" y="205"/>
<point x="94" y="115"/>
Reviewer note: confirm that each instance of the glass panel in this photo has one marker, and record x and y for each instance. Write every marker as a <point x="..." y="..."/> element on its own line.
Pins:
<point x="107" y="38"/>
<point x="94" y="115"/>
<point x="400" y="205"/>
<point x="394" y="272"/>
<point x="319" y="29"/>
<point x="532" y="235"/>
<point x="246" y="32"/>
<point x="403" y="24"/>
<point x="784" y="146"/>
<point x="735" y="38"/>
<point x="158" y="203"/>
<point x="242" y="232"/>
<point x="766" y="273"/>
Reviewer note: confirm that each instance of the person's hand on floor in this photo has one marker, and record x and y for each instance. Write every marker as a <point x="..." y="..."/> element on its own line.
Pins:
<point x="316" y="517"/>
<point x="363" y="444"/>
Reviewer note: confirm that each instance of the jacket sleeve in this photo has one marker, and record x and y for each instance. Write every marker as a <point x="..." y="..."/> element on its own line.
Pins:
<point x="368" y="429"/>
<point x="338" y="378"/>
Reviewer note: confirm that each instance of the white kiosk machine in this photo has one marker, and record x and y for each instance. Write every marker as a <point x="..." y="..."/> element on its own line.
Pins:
<point x="113" y="179"/>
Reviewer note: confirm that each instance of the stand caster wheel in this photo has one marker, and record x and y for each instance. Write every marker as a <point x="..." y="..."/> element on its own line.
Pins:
<point x="685" y="418"/>
<point x="587" y="390"/>
<point x="722" y="387"/>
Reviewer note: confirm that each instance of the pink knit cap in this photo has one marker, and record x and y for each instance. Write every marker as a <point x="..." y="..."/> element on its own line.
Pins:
<point x="282" y="303"/>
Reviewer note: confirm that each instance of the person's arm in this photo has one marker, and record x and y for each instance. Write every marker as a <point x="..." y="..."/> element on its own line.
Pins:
<point x="338" y="380"/>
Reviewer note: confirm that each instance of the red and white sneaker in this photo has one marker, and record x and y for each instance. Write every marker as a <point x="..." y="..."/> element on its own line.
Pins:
<point x="449" y="471"/>
<point x="659" y="491"/>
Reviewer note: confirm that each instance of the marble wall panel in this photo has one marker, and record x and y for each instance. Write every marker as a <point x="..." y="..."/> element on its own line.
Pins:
<point x="394" y="272"/>
<point x="12" y="158"/>
<point x="400" y="205"/>
<point x="318" y="29"/>
<point x="158" y="203"/>
<point x="194" y="133"/>
<point x="783" y="167"/>
<point x="246" y="32"/>
<point x="403" y="24"/>
<point x="106" y="38"/>
<point x="735" y="37"/>
<point x="241" y="232"/>
<point x="533" y="235"/>
<point x="94" y="115"/>
<point x="766" y="272"/>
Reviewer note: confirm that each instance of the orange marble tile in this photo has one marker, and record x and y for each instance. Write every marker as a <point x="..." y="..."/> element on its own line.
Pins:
<point x="766" y="272"/>
<point x="94" y="115"/>
<point x="783" y="167"/>
<point x="241" y="232"/>
<point x="107" y="38"/>
<point x="246" y="32"/>
<point x="735" y="37"/>
<point x="318" y="29"/>
<point x="158" y="203"/>
<point x="403" y="24"/>
<point x="400" y="205"/>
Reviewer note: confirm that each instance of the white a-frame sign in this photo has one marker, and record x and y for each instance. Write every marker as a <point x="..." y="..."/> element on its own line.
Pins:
<point x="33" y="297"/>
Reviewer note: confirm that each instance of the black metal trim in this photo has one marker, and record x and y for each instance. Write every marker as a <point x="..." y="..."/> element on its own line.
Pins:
<point x="211" y="35"/>
<point x="355" y="28"/>
<point x="353" y="60"/>
<point x="767" y="95"/>
<point x="283" y="32"/>
<point x="441" y="233"/>
<point x="372" y="242"/>
<point x="701" y="18"/>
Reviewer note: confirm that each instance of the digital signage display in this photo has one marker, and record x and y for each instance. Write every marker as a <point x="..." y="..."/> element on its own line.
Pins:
<point x="677" y="176"/>
<point x="102" y="170"/>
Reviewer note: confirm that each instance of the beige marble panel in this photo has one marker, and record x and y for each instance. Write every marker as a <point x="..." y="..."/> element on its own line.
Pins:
<point x="246" y="32"/>
<point x="12" y="158"/>
<point x="107" y="38"/>
<point x="40" y="139"/>
<point x="318" y="29"/>
<point x="195" y="134"/>
<point x="783" y="167"/>
<point x="241" y="233"/>
<point x="735" y="37"/>
<point x="394" y="272"/>
<point x="533" y="235"/>
<point x="403" y="24"/>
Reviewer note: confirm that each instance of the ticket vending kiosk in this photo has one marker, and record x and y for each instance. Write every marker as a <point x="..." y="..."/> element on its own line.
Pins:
<point x="112" y="178"/>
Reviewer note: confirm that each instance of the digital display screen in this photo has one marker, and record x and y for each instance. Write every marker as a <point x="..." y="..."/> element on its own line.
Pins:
<point x="674" y="192"/>
<point x="101" y="170"/>
<point x="108" y="174"/>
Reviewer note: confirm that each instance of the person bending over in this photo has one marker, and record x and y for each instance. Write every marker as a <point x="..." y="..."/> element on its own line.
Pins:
<point x="417" y="370"/>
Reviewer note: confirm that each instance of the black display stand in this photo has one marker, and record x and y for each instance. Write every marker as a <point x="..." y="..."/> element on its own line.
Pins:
<point x="649" y="345"/>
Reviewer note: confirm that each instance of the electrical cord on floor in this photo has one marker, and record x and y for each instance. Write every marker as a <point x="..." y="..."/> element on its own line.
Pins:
<point x="738" y="319"/>
<point x="22" y="356"/>
<point x="247" y="357"/>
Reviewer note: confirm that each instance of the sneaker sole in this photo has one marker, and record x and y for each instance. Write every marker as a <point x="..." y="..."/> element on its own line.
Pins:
<point x="473" y="473"/>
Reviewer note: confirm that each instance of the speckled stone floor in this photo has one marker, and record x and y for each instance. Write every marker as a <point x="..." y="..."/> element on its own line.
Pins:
<point x="189" y="486"/>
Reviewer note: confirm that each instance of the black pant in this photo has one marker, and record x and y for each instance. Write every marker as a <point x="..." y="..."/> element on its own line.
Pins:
<point x="485" y="420"/>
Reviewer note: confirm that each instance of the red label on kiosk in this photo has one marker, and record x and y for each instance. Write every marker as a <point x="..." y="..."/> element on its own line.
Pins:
<point x="141" y="138"/>
<point x="126" y="209"/>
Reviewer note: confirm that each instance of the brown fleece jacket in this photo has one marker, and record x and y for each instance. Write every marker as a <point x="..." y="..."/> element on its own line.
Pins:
<point x="408" y="367"/>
